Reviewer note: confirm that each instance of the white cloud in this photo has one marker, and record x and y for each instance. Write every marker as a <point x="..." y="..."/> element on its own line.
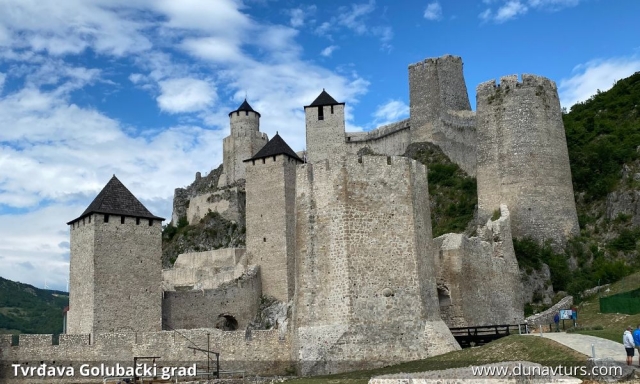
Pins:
<point x="595" y="75"/>
<point x="356" y="18"/>
<point x="185" y="95"/>
<point x="511" y="9"/>
<point x="433" y="11"/>
<point x="300" y="15"/>
<point x="3" y="78"/>
<point x="390" y="112"/>
<point x="327" y="51"/>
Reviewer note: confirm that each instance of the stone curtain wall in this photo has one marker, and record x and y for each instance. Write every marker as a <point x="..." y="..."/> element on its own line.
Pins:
<point x="392" y="139"/>
<point x="128" y="275"/>
<point x="228" y="202"/>
<point x="522" y="158"/>
<point x="478" y="277"/>
<point x="81" y="272"/>
<point x="365" y="283"/>
<point x="325" y="138"/>
<point x="270" y="222"/>
<point x="256" y="352"/>
<point x="191" y="309"/>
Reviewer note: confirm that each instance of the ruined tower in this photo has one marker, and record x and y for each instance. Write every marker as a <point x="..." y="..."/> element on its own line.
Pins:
<point x="440" y="111"/>
<point x="324" y="127"/>
<point x="116" y="271"/>
<point x="522" y="158"/>
<point x="244" y="141"/>
<point x="271" y="193"/>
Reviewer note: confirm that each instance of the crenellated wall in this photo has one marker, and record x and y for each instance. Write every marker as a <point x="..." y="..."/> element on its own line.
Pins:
<point x="365" y="283"/>
<point x="522" y="158"/>
<point x="478" y="277"/>
<point x="256" y="352"/>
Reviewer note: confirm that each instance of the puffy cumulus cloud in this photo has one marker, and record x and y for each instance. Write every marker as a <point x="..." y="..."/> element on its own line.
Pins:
<point x="300" y="15"/>
<point x="433" y="11"/>
<point x="511" y="9"/>
<point x="185" y="95"/>
<point x="390" y="112"/>
<point x="594" y="76"/>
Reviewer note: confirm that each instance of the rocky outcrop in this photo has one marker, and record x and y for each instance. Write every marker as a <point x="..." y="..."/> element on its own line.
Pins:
<point x="536" y="285"/>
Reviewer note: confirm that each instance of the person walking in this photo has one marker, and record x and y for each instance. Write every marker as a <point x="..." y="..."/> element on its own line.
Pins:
<point x="636" y="341"/>
<point x="629" y="345"/>
<point x="556" y="319"/>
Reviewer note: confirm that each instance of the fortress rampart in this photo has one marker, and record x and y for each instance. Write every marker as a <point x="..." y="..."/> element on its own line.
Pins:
<point x="391" y="139"/>
<point x="365" y="283"/>
<point x="256" y="352"/>
<point x="522" y="158"/>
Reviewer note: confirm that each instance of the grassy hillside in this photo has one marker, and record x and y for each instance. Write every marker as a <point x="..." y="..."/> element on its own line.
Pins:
<point x="27" y="309"/>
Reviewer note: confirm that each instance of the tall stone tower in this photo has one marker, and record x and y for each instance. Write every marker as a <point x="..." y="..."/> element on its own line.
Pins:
<point x="244" y="141"/>
<point x="325" y="128"/>
<point x="522" y="158"/>
<point x="440" y="110"/>
<point x="271" y="194"/>
<point x="115" y="281"/>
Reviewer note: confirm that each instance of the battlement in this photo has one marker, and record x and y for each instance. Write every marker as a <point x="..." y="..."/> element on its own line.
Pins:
<point x="435" y="61"/>
<point x="378" y="133"/>
<point x="512" y="82"/>
<point x="250" y="134"/>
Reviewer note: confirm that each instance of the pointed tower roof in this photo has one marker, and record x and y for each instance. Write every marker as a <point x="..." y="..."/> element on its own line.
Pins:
<point x="245" y="107"/>
<point x="116" y="199"/>
<point x="275" y="146"/>
<point x="324" y="99"/>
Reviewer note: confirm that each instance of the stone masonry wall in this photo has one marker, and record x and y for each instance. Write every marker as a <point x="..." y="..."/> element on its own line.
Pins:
<point x="228" y="202"/>
<point x="391" y="139"/>
<point x="478" y="277"/>
<point x="236" y="148"/>
<point x="365" y="283"/>
<point x="239" y="298"/>
<point x="440" y="109"/>
<point x="325" y="138"/>
<point x="204" y="270"/>
<point x="270" y="222"/>
<point x="522" y="158"/>
<point x="256" y="352"/>
<point x="127" y="274"/>
<point x="81" y="295"/>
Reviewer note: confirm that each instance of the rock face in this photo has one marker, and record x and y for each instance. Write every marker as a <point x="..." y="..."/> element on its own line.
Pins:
<point x="626" y="199"/>
<point x="536" y="285"/>
<point x="200" y="185"/>
<point x="478" y="276"/>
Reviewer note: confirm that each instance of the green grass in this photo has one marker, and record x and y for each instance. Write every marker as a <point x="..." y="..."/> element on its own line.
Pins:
<point x="512" y="348"/>
<point x="613" y="324"/>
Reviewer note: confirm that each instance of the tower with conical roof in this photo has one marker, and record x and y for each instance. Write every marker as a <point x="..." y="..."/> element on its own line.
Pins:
<point x="270" y="216"/>
<point x="244" y="141"/>
<point x="325" y="128"/>
<point x="115" y="280"/>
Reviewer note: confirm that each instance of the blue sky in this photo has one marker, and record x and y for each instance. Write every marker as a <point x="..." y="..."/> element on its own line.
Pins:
<point x="142" y="88"/>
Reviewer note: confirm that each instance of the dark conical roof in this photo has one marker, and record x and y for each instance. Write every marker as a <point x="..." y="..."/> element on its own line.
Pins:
<point x="323" y="99"/>
<point x="116" y="199"/>
<point x="244" y="107"/>
<point x="275" y="146"/>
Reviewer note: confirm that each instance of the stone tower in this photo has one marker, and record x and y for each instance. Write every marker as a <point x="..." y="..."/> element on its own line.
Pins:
<point x="522" y="158"/>
<point x="244" y="141"/>
<point x="325" y="128"/>
<point x="271" y="193"/>
<point x="116" y="271"/>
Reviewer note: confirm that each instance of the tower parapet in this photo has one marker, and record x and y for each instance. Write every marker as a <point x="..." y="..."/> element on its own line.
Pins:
<point x="522" y="158"/>
<point x="325" y="128"/>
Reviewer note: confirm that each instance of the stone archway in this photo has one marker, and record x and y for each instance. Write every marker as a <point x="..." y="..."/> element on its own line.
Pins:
<point x="226" y="322"/>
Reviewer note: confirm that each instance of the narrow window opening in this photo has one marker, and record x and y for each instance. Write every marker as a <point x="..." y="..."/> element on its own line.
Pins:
<point x="264" y="239"/>
<point x="246" y="113"/>
<point x="137" y="221"/>
<point x="332" y="109"/>
<point x="388" y="160"/>
<point x="263" y="161"/>
<point x="83" y="221"/>
<point x="89" y="219"/>
<point x="150" y="222"/>
<point x="349" y="138"/>
<point x="253" y="162"/>
<point x="106" y="218"/>
<point x="274" y="158"/>
<point x="121" y="219"/>
<point x="320" y="113"/>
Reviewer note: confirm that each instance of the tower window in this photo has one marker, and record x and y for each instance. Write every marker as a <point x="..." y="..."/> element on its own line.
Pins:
<point x="150" y="222"/>
<point x="263" y="161"/>
<point x="274" y="158"/>
<point x="121" y="219"/>
<point x="106" y="218"/>
<point x="90" y="219"/>
<point x="137" y="221"/>
<point x="321" y="113"/>
<point x="332" y="109"/>
<point x="264" y="239"/>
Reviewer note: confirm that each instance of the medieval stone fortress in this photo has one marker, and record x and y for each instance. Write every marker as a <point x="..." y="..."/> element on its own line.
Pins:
<point x="340" y="243"/>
